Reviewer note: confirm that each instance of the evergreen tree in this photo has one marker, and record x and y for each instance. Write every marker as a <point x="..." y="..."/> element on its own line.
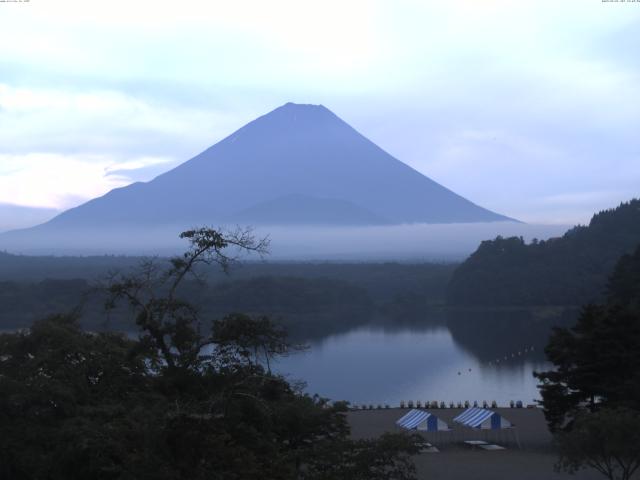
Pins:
<point x="597" y="362"/>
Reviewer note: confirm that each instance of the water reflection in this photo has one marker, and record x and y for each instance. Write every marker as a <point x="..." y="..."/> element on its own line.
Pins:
<point x="452" y="356"/>
<point x="500" y="336"/>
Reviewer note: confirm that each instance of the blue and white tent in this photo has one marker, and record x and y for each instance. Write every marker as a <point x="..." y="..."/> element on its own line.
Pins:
<point x="421" y="420"/>
<point x="482" y="418"/>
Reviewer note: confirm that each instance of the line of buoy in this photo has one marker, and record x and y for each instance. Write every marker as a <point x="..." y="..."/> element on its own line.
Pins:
<point x="439" y="405"/>
<point x="519" y="353"/>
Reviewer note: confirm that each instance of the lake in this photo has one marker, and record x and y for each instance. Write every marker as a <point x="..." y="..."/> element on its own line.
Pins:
<point x="469" y="357"/>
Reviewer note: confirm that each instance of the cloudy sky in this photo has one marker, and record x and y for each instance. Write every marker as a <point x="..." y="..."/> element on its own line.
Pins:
<point x="529" y="108"/>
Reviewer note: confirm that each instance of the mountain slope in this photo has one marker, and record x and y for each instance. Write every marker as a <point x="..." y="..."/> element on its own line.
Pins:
<point x="570" y="270"/>
<point x="306" y="210"/>
<point x="293" y="150"/>
<point x="16" y="216"/>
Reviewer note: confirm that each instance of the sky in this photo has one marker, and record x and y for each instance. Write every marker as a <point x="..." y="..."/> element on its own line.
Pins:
<point x="528" y="108"/>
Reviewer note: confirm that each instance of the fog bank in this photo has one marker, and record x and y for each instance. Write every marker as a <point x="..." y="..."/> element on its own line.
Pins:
<point x="416" y="242"/>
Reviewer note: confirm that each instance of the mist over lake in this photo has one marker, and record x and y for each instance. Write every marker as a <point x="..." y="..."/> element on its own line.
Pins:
<point x="431" y="242"/>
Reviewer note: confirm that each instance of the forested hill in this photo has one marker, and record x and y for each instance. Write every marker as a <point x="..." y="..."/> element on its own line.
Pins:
<point x="570" y="270"/>
<point x="309" y="298"/>
<point x="30" y="268"/>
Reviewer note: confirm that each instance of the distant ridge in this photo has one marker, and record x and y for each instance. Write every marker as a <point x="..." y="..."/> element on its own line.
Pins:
<point x="299" y="164"/>
<point x="16" y="216"/>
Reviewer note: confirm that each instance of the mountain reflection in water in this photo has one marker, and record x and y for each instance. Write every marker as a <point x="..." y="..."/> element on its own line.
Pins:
<point x="456" y="356"/>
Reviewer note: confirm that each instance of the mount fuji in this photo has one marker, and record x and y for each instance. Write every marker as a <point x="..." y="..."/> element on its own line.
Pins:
<point x="296" y="165"/>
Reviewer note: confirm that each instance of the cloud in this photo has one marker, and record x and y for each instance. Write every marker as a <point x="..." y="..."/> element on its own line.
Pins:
<point x="103" y="121"/>
<point x="136" y="164"/>
<point x="507" y="103"/>
<point x="199" y="43"/>
<point x="142" y="169"/>
<point x="49" y="180"/>
<point x="63" y="147"/>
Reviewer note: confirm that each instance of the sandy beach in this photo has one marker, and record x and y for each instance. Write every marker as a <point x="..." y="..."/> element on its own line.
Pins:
<point x="528" y="455"/>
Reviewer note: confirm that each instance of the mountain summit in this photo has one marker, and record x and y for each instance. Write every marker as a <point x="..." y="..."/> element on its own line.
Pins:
<point x="298" y="164"/>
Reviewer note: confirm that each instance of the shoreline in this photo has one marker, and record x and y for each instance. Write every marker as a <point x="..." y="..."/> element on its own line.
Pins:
<point x="531" y="457"/>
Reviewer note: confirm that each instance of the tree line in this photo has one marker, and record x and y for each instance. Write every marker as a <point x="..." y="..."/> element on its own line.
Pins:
<point x="570" y="270"/>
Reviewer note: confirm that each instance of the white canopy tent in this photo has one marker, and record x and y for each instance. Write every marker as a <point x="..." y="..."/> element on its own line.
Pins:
<point x="483" y="419"/>
<point x="421" y="420"/>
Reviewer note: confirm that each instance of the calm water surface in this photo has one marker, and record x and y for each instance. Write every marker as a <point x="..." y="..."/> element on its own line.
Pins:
<point x="376" y="365"/>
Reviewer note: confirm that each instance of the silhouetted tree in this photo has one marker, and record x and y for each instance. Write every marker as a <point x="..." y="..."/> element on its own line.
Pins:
<point x="597" y="362"/>
<point x="607" y="441"/>
<point x="182" y="401"/>
<point x="170" y="324"/>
